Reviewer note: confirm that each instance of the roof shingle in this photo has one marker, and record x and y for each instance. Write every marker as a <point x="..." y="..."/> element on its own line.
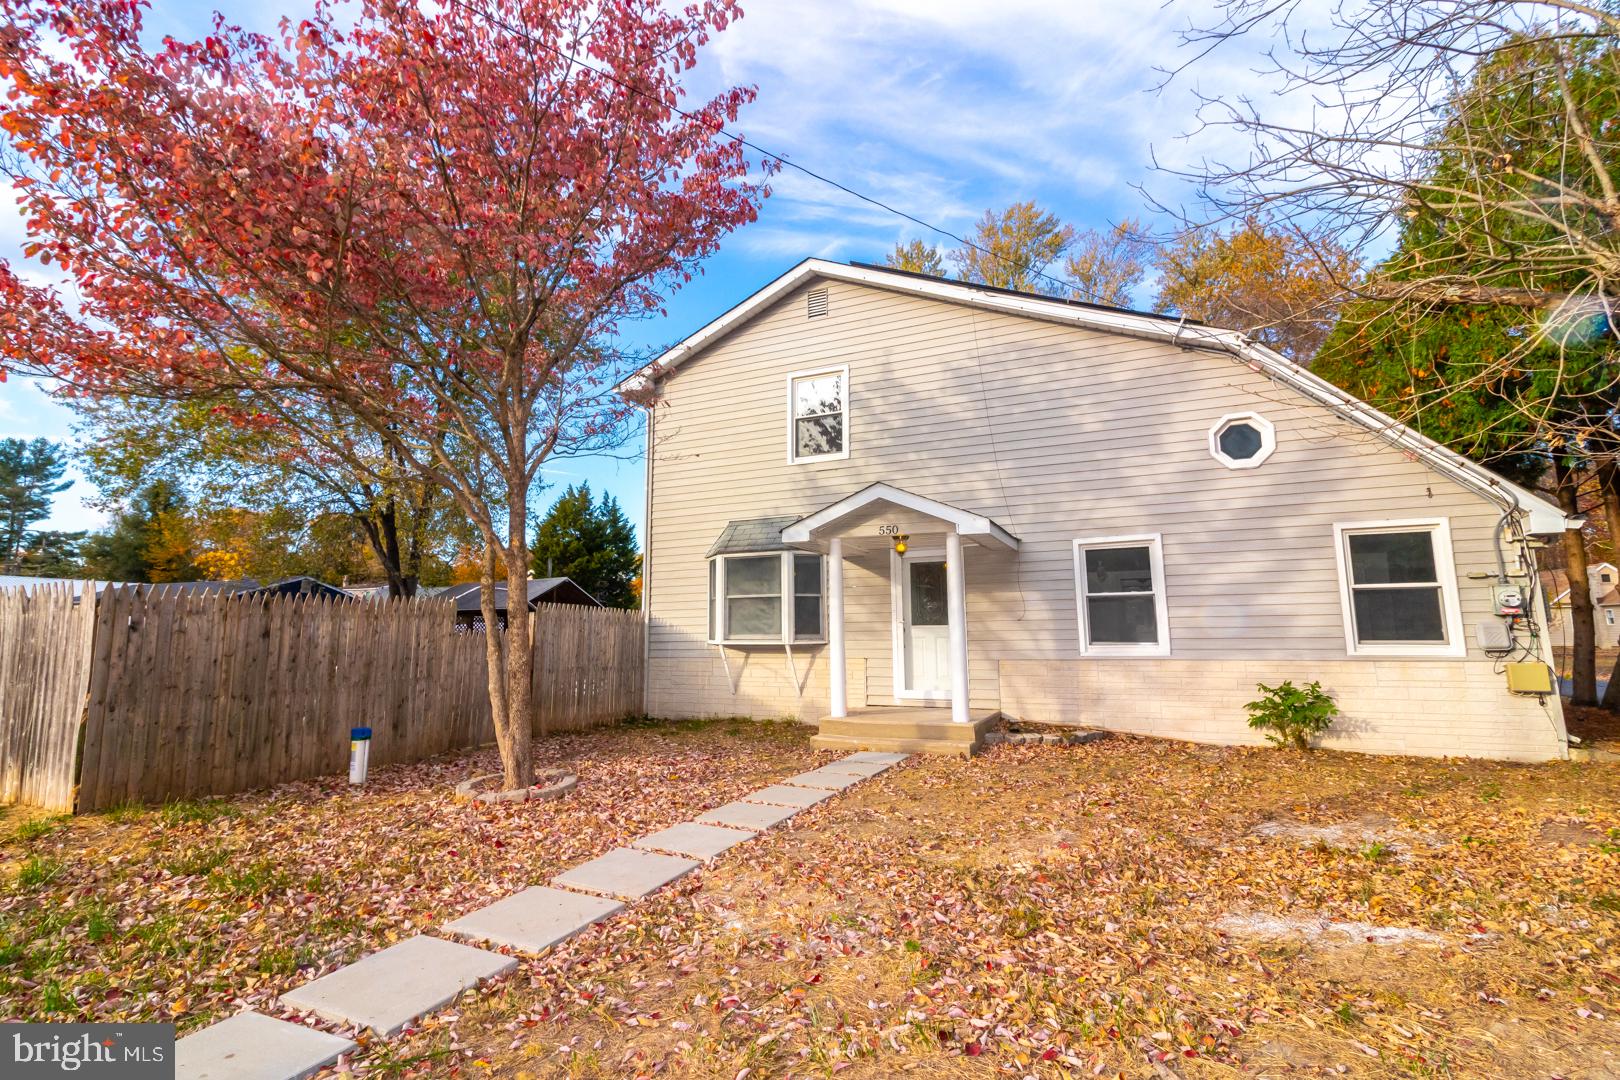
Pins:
<point x="752" y="535"/>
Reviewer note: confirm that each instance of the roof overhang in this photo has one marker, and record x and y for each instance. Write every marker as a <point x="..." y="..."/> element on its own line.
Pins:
<point x="1538" y="515"/>
<point x="813" y="528"/>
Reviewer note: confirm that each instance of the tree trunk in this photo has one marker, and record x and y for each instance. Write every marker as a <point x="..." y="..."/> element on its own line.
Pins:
<point x="390" y="560"/>
<point x="495" y="657"/>
<point x="1583" y="659"/>
<point x="382" y="533"/>
<point x="517" y="749"/>
<point x="1608" y="474"/>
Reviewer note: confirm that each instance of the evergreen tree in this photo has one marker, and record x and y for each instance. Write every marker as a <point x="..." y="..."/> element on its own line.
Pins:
<point x="50" y="553"/>
<point x="1520" y="389"/>
<point x="591" y="542"/>
<point x="30" y="474"/>
<point x="148" y="541"/>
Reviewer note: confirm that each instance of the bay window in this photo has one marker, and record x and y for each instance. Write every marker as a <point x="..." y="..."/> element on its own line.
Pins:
<point x="766" y="599"/>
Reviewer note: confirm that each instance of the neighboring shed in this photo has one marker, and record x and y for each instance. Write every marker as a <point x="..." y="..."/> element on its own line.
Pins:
<point x="305" y="586"/>
<point x="550" y="590"/>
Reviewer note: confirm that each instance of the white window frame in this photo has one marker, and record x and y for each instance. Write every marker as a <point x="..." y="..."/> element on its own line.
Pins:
<point x="1268" y="440"/>
<point x="1608" y="616"/>
<point x="1154" y="543"/>
<point x="716" y="613"/>
<point x="1445" y="570"/>
<point x="792" y="442"/>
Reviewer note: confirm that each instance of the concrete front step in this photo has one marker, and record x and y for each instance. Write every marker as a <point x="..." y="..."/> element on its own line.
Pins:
<point x="911" y="731"/>
<point x="898" y="745"/>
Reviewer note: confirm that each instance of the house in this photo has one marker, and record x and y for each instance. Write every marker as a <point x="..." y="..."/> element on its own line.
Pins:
<point x="548" y="590"/>
<point x="1604" y="581"/>
<point x="900" y="506"/>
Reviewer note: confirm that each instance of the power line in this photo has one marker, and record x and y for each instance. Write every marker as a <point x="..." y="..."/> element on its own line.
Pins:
<point x="781" y="159"/>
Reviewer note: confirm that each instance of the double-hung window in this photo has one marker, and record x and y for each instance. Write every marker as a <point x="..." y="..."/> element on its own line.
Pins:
<point x="766" y="599"/>
<point x="1119" y="585"/>
<point x="818" y="415"/>
<point x="1399" y="589"/>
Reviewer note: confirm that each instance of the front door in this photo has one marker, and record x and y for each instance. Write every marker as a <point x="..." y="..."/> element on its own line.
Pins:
<point x="925" y="631"/>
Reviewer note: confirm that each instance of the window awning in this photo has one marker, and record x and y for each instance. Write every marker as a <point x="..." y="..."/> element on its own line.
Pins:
<point x="752" y="535"/>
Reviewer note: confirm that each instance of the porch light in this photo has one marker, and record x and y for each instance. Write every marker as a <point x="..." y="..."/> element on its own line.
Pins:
<point x="900" y="544"/>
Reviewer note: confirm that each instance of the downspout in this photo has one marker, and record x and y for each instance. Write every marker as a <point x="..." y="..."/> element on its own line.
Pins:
<point x="646" y="568"/>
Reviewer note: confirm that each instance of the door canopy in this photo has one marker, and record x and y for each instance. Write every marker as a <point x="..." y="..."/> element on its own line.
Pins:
<point x="871" y="505"/>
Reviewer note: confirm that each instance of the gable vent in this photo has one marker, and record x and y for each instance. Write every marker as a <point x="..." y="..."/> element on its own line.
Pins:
<point x="816" y="303"/>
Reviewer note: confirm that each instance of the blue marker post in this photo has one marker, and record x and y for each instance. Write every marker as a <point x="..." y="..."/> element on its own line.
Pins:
<point x="359" y="754"/>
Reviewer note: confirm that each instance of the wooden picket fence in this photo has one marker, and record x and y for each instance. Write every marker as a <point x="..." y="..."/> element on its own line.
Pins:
<point x="146" y="696"/>
<point x="44" y="670"/>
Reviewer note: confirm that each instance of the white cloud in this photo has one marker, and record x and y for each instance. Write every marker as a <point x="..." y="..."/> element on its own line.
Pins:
<point x="943" y="108"/>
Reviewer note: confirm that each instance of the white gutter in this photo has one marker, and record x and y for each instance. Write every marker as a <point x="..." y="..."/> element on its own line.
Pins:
<point x="1541" y="517"/>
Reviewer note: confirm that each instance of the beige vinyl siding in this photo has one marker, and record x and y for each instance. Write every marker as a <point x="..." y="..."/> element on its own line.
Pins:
<point x="1055" y="432"/>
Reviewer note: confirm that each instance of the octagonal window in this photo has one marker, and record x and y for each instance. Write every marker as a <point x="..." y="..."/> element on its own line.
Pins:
<point x="1242" y="440"/>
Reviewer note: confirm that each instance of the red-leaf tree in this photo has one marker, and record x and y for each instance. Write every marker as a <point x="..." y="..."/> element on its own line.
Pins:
<point x="431" y="222"/>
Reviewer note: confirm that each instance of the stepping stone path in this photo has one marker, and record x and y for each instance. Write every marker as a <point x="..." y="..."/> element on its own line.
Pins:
<point x="756" y="817"/>
<point x="251" y="1046"/>
<point x="388" y="990"/>
<point x="784" y="795"/>
<point x="535" y="919"/>
<point x="626" y="873"/>
<point x="826" y="779"/>
<point x="693" y="840"/>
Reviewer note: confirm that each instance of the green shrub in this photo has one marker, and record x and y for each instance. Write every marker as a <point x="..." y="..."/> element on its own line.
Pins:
<point x="1292" y="715"/>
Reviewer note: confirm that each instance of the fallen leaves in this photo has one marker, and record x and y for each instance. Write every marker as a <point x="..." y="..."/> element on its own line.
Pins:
<point x="195" y="911"/>
<point x="1056" y="912"/>
<point x="1037" y="911"/>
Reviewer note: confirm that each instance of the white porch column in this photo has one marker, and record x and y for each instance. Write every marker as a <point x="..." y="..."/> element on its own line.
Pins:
<point x="837" y="691"/>
<point x="956" y="612"/>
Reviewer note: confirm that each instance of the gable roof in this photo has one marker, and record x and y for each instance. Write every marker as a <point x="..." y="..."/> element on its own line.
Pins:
<point x="1541" y="516"/>
<point x="967" y="523"/>
<point x="541" y="591"/>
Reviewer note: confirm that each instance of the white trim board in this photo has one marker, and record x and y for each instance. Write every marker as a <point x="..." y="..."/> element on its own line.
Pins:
<point x="1541" y="516"/>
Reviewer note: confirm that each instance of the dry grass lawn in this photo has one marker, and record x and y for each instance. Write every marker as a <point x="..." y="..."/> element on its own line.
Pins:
<point x="191" y="912"/>
<point x="1126" y="908"/>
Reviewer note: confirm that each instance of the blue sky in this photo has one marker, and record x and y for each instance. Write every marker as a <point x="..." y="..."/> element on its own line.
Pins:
<point x="939" y="107"/>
